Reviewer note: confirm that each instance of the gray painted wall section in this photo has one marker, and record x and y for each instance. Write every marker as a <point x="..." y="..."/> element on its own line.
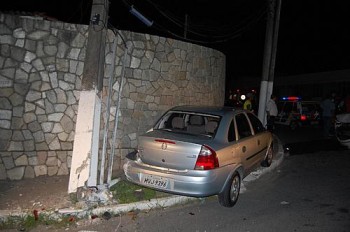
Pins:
<point x="41" y="67"/>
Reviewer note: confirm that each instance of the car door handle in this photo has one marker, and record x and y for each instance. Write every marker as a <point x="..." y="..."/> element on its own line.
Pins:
<point x="244" y="149"/>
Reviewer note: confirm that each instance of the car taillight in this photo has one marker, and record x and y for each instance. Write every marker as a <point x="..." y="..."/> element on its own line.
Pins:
<point x="303" y="117"/>
<point x="207" y="159"/>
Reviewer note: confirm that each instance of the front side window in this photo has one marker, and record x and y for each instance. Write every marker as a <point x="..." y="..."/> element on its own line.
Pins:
<point x="243" y="126"/>
<point x="256" y="123"/>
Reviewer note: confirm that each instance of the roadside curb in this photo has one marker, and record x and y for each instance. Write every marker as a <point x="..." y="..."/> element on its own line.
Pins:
<point x="142" y="205"/>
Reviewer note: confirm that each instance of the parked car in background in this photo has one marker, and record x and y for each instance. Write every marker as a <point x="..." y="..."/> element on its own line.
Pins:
<point x="200" y="151"/>
<point x="295" y="112"/>
<point x="342" y="129"/>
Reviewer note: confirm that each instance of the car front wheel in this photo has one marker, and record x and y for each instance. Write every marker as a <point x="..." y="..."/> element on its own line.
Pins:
<point x="229" y="196"/>
<point x="268" y="158"/>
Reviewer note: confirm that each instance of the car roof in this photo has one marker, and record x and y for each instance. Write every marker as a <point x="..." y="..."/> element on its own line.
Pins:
<point x="215" y="110"/>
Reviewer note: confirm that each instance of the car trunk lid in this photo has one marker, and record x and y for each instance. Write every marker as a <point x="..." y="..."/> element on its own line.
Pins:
<point x="169" y="150"/>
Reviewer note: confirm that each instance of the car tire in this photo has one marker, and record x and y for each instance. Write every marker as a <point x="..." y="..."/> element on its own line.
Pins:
<point x="229" y="196"/>
<point x="268" y="158"/>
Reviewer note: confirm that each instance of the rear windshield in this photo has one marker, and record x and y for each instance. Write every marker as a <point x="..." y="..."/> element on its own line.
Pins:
<point x="189" y="122"/>
<point x="309" y="108"/>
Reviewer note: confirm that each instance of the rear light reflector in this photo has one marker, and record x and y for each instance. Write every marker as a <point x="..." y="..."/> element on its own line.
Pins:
<point x="303" y="117"/>
<point x="207" y="159"/>
<point x="164" y="141"/>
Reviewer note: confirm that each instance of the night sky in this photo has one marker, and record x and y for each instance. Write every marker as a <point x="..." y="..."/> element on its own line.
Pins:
<point x="314" y="35"/>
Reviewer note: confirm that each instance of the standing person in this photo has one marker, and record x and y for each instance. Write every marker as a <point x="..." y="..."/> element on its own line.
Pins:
<point x="271" y="110"/>
<point x="248" y="104"/>
<point x="328" y="109"/>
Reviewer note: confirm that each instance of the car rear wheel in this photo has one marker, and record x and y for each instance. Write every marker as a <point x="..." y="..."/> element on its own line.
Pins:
<point x="269" y="156"/>
<point x="229" y="196"/>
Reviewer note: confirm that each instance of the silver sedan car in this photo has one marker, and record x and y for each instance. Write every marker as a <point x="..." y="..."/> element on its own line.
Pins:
<point x="200" y="152"/>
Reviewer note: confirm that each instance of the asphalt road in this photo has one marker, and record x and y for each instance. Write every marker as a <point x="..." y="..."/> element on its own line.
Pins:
<point x="306" y="193"/>
<point x="306" y="140"/>
<point x="309" y="191"/>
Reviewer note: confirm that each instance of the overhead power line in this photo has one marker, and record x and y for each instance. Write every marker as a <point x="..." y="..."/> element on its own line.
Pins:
<point x="175" y="25"/>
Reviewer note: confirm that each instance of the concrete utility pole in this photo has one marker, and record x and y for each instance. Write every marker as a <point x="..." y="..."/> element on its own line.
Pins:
<point x="84" y="165"/>
<point x="274" y="48"/>
<point x="270" y="50"/>
<point x="95" y="51"/>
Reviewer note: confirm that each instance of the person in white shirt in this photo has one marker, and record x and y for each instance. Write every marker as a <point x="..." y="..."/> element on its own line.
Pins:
<point x="271" y="110"/>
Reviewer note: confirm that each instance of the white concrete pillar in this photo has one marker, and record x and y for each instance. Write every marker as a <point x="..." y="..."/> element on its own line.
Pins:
<point x="85" y="150"/>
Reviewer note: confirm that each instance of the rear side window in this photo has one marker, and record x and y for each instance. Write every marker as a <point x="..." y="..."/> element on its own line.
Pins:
<point x="243" y="126"/>
<point x="280" y="107"/>
<point x="288" y="107"/>
<point x="256" y="123"/>
<point x="231" y="132"/>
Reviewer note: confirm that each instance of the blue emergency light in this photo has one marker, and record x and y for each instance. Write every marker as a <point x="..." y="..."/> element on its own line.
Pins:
<point x="291" y="98"/>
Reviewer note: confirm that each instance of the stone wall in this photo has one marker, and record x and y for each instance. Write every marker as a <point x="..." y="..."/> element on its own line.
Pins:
<point x="41" y="67"/>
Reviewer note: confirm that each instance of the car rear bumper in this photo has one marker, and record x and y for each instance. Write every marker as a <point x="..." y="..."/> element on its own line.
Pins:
<point x="193" y="183"/>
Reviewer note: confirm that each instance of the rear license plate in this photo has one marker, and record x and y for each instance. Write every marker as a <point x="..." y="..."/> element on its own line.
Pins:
<point x="155" y="181"/>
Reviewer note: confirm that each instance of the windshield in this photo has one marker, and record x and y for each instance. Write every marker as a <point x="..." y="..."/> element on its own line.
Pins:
<point x="189" y="122"/>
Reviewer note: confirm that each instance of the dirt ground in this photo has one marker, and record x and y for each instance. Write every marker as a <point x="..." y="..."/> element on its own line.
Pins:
<point x="41" y="193"/>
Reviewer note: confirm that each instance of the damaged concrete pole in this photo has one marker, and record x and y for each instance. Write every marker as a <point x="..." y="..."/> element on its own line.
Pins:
<point x="84" y="167"/>
<point x="85" y="151"/>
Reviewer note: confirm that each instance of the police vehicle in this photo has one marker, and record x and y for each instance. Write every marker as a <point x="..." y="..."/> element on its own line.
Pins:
<point x="295" y="112"/>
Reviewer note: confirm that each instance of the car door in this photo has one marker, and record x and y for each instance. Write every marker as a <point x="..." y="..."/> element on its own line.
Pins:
<point x="284" y="110"/>
<point x="246" y="143"/>
<point x="261" y="135"/>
